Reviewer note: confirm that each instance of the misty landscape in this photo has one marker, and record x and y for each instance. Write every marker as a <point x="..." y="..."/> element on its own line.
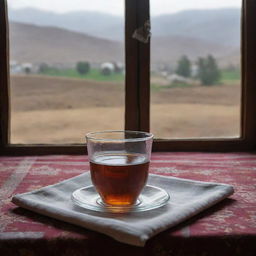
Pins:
<point x="49" y="94"/>
<point x="99" y="37"/>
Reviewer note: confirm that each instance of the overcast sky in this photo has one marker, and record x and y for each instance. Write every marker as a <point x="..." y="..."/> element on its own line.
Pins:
<point x="116" y="6"/>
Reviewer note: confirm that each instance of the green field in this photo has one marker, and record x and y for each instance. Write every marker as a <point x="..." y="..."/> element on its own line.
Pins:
<point x="94" y="74"/>
<point x="228" y="76"/>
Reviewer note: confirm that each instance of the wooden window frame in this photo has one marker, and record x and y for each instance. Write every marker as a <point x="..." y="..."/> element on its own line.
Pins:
<point x="137" y="90"/>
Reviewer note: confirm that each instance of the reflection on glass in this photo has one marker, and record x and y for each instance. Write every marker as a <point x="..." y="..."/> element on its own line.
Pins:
<point x="195" y="69"/>
<point x="67" y="70"/>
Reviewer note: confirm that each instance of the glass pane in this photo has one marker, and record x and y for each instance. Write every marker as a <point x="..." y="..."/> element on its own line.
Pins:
<point x="67" y="69"/>
<point x="195" y="68"/>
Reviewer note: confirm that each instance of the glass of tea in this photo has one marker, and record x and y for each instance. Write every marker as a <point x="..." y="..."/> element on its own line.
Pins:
<point x="119" y="164"/>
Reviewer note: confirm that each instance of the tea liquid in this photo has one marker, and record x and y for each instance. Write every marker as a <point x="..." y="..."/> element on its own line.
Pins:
<point x="119" y="179"/>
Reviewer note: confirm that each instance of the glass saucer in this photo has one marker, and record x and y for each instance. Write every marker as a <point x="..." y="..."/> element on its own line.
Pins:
<point x="150" y="198"/>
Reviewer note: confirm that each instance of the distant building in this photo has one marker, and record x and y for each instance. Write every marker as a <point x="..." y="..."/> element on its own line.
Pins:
<point x="194" y="70"/>
<point x="107" y="68"/>
<point x="174" y="78"/>
<point x="27" y="68"/>
<point x="22" y="68"/>
<point x="119" y="67"/>
<point x="15" y="68"/>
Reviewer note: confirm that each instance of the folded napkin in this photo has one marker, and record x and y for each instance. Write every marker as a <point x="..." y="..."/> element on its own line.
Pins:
<point x="187" y="198"/>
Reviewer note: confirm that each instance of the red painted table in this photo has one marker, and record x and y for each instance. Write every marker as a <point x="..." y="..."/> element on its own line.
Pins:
<point x="228" y="228"/>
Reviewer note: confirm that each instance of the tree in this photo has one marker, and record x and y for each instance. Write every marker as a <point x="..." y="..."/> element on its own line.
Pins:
<point x="184" y="67"/>
<point x="208" y="71"/>
<point x="27" y="70"/>
<point x="83" y="67"/>
<point x="106" y="71"/>
<point x="43" y="67"/>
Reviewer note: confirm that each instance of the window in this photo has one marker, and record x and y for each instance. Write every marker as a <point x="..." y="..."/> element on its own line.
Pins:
<point x="137" y="90"/>
<point x="59" y="62"/>
<point x="195" y="69"/>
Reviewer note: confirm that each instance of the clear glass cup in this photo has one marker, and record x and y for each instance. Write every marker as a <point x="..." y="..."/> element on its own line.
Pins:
<point x="119" y="164"/>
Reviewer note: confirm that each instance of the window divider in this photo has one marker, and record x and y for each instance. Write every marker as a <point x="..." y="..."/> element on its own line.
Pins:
<point x="132" y="67"/>
<point x="143" y="9"/>
<point x="137" y="98"/>
<point x="4" y="77"/>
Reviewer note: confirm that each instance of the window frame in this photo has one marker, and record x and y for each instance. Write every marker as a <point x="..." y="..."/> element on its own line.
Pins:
<point x="137" y="90"/>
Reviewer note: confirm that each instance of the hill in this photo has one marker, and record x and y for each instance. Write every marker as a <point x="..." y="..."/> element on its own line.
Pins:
<point x="31" y="43"/>
<point x="36" y="44"/>
<point x="168" y="49"/>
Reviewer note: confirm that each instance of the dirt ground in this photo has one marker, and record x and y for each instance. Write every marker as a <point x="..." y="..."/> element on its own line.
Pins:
<point x="61" y="110"/>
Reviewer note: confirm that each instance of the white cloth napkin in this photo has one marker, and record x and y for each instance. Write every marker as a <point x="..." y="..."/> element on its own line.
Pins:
<point x="187" y="198"/>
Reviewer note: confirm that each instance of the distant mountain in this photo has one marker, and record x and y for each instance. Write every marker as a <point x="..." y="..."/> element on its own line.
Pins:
<point x="93" y="23"/>
<point x="221" y="26"/>
<point x="30" y="43"/>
